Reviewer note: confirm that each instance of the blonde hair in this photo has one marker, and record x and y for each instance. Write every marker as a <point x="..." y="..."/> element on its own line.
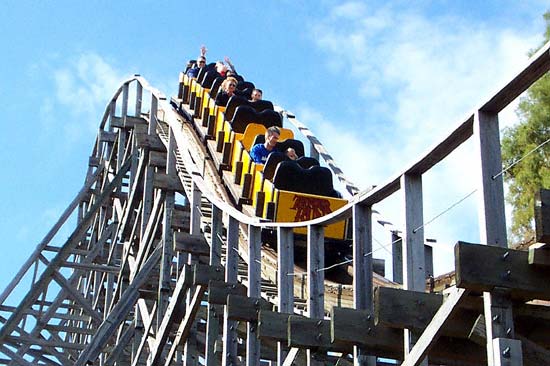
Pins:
<point x="226" y="82"/>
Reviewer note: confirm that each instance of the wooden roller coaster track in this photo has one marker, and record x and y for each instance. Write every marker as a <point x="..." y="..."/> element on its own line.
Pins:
<point x="160" y="268"/>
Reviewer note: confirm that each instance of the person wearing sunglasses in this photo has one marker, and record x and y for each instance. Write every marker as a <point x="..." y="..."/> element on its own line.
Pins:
<point x="227" y="90"/>
<point x="199" y="64"/>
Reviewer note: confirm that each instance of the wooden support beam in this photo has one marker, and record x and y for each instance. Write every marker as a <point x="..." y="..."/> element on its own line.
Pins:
<point x="193" y="244"/>
<point x="542" y="216"/>
<point x="143" y="330"/>
<point x="172" y="316"/>
<point x="285" y="281"/>
<point x="315" y="280"/>
<point x="433" y="330"/>
<point x="61" y="256"/>
<point x="158" y="159"/>
<point x="45" y="343"/>
<point x="273" y="325"/>
<point x="350" y="325"/>
<point x="362" y="271"/>
<point x="398" y="308"/>
<point x="181" y="219"/>
<point x="357" y="327"/>
<point x="482" y="268"/>
<point x="538" y="65"/>
<point x="77" y="297"/>
<point x="414" y="269"/>
<point x="254" y="290"/>
<point x="168" y="182"/>
<point x="539" y="255"/>
<point x="204" y="273"/>
<point x="245" y="308"/>
<point x="533" y="354"/>
<point x="313" y="333"/>
<point x="218" y="291"/>
<point x="117" y="314"/>
<point x="106" y="136"/>
<point x="150" y="142"/>
<point x="118" y="351"/>
<point x="186" y="324"/>
<point x="128" y="122"/>
<point x="215" y="312"/>
<point x="291" y="356"/>
<point x="492" y="221"/>
<point x="229" y="355"/>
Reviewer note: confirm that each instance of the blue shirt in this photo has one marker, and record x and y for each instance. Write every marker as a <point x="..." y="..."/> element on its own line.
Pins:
<point x="193" y="72"/>
<point x="259" y="153"/>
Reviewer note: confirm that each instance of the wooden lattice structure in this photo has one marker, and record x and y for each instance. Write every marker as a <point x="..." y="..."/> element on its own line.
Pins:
<point x="161" y="270"/>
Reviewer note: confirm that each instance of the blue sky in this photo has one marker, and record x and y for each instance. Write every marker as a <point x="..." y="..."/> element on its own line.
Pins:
<point x="378" y="81"/>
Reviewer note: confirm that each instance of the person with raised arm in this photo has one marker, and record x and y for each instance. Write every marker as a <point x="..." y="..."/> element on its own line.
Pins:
<point x="201" y="62"/>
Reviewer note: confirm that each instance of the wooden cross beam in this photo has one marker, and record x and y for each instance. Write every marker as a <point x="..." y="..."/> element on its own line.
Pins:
<point x="432" y="332"/>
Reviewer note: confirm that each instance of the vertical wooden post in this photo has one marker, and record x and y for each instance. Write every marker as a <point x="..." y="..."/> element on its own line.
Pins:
<point x="285" y="280"/>
<point x="254" y="290"/>
<point x="362" y="272"/>
<point x="122" y="131"/>
<point x="195" y="219"/>
<point x="214" y="311"/>
<point x="165" y="280"/>
<point x="153" y="115"/>
<point x="315" y="279"/>
<point x="492" y="231"/>
<point x="229" y="357"/>
<point x="135" y="157"/>
<point x="190" y="356"/>
<point x="414" y="272"/>
<point x="217" y="231"/>
<point x="139" y="97"/>
<point x="397" y="257"/>
<point x="149" y="170"/>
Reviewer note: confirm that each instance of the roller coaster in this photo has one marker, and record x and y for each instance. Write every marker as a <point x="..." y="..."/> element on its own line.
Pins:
<point x="185" y="251"/>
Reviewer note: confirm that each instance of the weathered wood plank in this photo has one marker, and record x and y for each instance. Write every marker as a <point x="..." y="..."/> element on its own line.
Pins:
<point x="151" y="142"/>
<point x="106" y="136"/>
<point x="131" y="122"/>
<point x="285" y="288"/>
<point x="482" y="267"/>
<point x="316" y="277"/>
<point x="158" y="159"/>
<point x="194" y="244"/>
<point x="542" y="216"/>
<point x="245" y="308"/>
<point x="433" y="330"/>
<point x="181" y="218"/>
<point x="273" y="325"/>
<point x="254" y="290"/>
<point x="414" y="310"/>
<point x="405" y="309"/>
<point x="350" y="325"/>
<point x="218" y="291"/>
<point x="230" y="342"/>
<point x="537" y="66"/>
<point x="539" y="255"/>
<point x="186" y="324"/>
<point x="313" y="333"/>
<point x="167" y="182"/>
<point x="204" y="273"/>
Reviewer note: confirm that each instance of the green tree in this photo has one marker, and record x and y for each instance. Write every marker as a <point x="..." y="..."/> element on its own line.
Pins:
<point x="533" y="172"/>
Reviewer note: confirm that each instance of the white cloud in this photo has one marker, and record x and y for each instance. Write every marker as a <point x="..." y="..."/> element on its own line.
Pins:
<point x="425" y="75"/>
<point x="82" y="87"/>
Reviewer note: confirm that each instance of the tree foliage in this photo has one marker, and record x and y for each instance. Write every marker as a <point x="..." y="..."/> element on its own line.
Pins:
<point x="533" y="172"/>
